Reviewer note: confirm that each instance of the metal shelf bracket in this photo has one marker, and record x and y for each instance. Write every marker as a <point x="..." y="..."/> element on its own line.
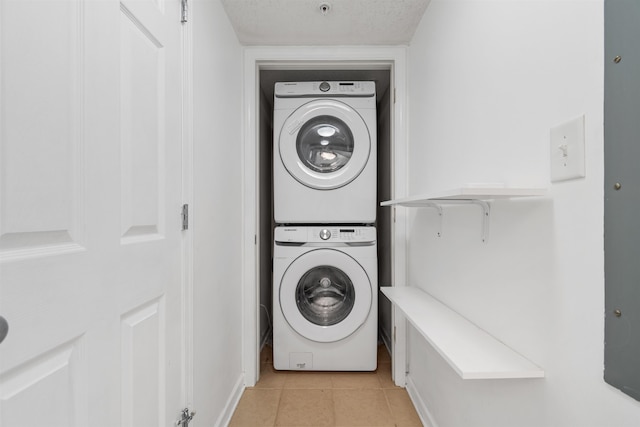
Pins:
<point x="486" y="214"/>
<point x="437" y="207"/>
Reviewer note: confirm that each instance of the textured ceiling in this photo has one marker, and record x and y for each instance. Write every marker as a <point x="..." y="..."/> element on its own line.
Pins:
<point x="347" y="22"/>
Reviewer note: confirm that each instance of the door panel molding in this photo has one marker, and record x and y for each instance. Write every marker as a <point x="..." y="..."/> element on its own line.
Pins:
<point x="142" y="99"/>
<point x="41" y="117"/>
<point x="57" y="377"/>
<point x="143" y="385"/>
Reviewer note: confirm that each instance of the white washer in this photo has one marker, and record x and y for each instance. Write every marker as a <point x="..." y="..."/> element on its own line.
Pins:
<point x="325" y="298"/>
<point x="324" y="157"/>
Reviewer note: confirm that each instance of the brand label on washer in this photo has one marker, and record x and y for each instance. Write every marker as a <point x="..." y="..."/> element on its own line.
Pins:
<point x="300" y="361"/>
<point x="290" y="234"/>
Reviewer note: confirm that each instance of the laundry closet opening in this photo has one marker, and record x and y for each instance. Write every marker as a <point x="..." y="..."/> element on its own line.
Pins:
<point x="381" y="74"/>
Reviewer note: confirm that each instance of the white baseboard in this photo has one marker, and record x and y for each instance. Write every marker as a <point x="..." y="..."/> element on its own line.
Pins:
<point x="421" y="407"/>
<point x="232" y="403"/>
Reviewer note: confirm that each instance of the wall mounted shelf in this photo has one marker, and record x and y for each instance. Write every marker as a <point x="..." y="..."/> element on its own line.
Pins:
<point x="475" y="195"/>
<point x="471" y="352"/>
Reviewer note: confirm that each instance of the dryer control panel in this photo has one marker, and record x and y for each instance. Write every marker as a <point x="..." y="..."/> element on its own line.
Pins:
<point x="325" y="234"/>
<point x="324" y="88"/>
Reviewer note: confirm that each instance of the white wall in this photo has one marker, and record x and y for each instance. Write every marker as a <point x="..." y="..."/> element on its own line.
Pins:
<point x="216" y="207"/>
<point x="488" y="79"/>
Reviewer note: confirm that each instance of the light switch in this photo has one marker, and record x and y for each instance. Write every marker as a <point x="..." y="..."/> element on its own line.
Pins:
<point x="567" y="150"/>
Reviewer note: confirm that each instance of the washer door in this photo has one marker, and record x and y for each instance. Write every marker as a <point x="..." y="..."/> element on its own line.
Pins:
<point x="325" y="295"/>
<point x="324" y="144"/>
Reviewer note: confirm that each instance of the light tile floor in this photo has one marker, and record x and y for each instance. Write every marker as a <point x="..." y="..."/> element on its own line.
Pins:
<point x="346" y="399"/>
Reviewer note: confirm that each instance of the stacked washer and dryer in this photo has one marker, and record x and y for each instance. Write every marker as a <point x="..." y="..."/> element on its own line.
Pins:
<point x="325" y="290"/>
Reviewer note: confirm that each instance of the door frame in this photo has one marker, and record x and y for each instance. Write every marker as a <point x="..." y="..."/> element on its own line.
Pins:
<point x="187" y="366"/>
<point x="256" y="59"/>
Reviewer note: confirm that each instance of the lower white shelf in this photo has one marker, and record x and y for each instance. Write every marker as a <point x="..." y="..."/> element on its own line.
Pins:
<point x="471" y="352"/>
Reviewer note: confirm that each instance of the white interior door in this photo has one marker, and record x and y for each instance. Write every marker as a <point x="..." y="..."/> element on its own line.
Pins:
<point x="90" y="197"/>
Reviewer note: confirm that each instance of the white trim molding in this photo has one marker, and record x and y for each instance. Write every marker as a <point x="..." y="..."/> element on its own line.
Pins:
<point x="302" y="57"/>
<point x="421" y="406"/>
<point x="231" y="405"/>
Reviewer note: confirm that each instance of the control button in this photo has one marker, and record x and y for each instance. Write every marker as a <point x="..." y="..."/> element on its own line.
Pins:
<point x="325" y="86"/>
<point x="325" y="234"/>
<point x="4" y="328"/>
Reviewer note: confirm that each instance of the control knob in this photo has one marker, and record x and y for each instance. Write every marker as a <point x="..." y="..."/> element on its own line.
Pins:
<point x="325" y="234"/>
<point x="325" y="86"/>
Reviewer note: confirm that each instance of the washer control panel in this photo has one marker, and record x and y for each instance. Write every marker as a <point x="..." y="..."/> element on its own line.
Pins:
<point x="325" y="234"/>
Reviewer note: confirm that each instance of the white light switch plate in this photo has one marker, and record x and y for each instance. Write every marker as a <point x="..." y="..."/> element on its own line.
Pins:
<point x="567" y="150"/>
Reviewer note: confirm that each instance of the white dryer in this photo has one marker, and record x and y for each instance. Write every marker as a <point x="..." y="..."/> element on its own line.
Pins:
<point x="324" y="152"/>
<point x="325" y="298"/>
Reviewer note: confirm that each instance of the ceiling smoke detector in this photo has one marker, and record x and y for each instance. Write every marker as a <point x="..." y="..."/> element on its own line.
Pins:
<point x="324" y="8"/>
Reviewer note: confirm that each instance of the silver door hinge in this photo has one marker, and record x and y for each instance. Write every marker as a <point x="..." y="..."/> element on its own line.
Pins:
<point x="185" y="417"/>
<point x="185" y="217"/>
<point x="184" y="12"/>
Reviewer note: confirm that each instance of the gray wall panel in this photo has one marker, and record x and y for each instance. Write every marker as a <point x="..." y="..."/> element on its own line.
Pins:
<point x="622" y="203"/>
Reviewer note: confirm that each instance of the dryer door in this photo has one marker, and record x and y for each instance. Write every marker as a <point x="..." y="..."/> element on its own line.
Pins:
<point x="324" y="144"/>
<point x="325" y="295"/>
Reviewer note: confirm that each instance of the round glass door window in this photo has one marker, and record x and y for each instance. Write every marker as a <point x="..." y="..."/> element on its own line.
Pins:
<point x="325" y="295"/>
<point x="325" y="144"/>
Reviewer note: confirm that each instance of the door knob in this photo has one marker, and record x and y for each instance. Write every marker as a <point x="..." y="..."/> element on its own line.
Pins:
<point x="4" y="328"/>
